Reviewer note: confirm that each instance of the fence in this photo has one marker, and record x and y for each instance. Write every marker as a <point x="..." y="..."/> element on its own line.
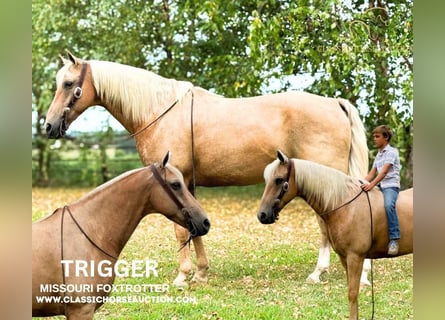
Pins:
<point x="87" y="167"/>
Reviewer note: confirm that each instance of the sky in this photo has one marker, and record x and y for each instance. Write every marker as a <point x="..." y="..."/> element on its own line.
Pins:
<point x="95" y="119"/>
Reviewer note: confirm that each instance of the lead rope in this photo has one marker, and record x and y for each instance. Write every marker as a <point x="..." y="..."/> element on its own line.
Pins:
<point x="343" y="205"/>
<point x="61" y="257"/>
<point x="193" y="190"/>
<point x="193" y="186"/>
<point x="86" y="236"/>
<point x="61" y="246"/>
<point x="132" y="135"/>
<point x="372" y="272"/>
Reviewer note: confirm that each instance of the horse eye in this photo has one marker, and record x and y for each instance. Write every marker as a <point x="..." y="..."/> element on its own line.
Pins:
<point x="175" y="186"/>
<point x="68" y="84"/>
<point x="279" y="181"/>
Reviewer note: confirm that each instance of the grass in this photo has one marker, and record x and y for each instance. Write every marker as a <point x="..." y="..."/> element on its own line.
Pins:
<point x="256" y="271"/>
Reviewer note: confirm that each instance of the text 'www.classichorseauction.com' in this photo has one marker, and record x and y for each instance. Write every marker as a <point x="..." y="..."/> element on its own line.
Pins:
<point x="89" y="292"/>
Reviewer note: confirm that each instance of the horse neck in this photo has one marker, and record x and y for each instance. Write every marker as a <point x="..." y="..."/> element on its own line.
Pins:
<point x="111" y="212"/>
<point x="323" y="188"/>
<point x="134" y="96"/>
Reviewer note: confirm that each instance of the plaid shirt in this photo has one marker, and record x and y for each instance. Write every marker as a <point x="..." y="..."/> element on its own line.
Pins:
<point x="388" y="155"/>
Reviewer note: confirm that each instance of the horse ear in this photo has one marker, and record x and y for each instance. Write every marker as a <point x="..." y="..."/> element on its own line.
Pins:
<point x="166" y="159"/>
<point x="72" y="58"/>
<point x="64" y="61"/>
<point x="282" y="157"/>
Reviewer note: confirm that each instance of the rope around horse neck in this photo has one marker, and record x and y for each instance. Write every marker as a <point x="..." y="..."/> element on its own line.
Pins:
<point x="61" y="247"/>
<point x="341" y="206"/>
<point x="83" y="232"/>
<point x="158" y="118"/>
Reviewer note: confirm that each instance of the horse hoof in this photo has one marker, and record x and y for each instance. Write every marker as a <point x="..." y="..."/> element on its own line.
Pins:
<point x="199" y="280"/>
<point x="311" y="279"/>
<point x="180" y="284"/>
<point x="364" y="282"/>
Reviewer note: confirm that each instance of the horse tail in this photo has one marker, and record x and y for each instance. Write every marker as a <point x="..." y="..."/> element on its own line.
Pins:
<point x="358" y="155"/>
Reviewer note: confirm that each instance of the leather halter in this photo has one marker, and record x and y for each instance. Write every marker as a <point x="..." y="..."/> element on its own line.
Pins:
<point x="166" y="187"/>
<point x="77" y="93"/>
<point x="285" y="186"/>
<point x="175" y="199"/>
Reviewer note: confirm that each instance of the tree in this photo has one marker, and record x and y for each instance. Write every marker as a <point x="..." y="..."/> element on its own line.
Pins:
<point x="362" y="52"/>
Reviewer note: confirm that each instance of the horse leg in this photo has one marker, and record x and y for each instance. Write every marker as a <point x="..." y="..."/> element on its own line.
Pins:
<point x="202" y="264"/>
<point x="354" y="265"/>
<point x="323" y="254"/>
<point x="364" y="277"/>
<point x="324" y="259"/>
<point x="185" y="263"/>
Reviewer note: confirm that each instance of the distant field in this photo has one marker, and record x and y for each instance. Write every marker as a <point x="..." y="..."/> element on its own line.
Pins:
<point x="256" y="271"/>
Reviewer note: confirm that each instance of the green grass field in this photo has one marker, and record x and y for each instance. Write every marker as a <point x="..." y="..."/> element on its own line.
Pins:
<point x="256" y="271"/>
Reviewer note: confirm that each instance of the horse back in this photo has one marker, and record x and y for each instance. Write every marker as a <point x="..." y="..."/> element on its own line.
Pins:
<point x="405" y="210"/>
<point x="405" y="202"/>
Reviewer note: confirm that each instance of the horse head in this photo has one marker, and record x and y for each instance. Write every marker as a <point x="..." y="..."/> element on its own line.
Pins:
<point x="279" y="189"/>
<point x="74" y="93"/>
<point x="171" y="196"/>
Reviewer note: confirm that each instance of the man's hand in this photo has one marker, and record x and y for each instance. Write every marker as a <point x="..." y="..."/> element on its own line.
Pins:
<point x="366" y="186"/>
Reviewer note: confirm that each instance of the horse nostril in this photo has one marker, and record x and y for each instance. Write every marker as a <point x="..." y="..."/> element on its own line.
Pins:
<point x="48" y="127"/>
<point x="206" y="224"/>
<point x="193" y="232"/>
<point x="262" y="216"/>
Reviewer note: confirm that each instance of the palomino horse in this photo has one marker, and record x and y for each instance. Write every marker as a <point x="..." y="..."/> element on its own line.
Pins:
<point x="346" y="210"/>
<point x="212" y="135"/>
<point x="97" y="227"/>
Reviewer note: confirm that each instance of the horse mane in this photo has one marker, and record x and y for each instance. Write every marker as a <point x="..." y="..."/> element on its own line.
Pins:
<point x="319" y="185"/>
<point x="323" y="186"/>
<point x="133" y="92"/>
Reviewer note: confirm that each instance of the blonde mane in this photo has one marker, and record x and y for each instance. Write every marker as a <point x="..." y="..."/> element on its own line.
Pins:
<point x="135" y="93"/>
<point x="321" y="186"/>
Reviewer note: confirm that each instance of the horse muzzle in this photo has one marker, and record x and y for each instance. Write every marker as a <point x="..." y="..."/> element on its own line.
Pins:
<point x="55" y="132"/>
<point x="58" y="128"/>
<point x="270" y="216"/>
<point x="196" y="226"/>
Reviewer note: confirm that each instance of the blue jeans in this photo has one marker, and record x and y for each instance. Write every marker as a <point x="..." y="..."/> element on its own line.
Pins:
<point x="390" y="197"/>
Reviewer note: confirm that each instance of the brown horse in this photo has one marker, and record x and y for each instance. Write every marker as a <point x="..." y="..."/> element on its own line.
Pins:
<point x="95" y="229"/>
<point x="165" y="114"/>
<point x="346" y="210"/>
